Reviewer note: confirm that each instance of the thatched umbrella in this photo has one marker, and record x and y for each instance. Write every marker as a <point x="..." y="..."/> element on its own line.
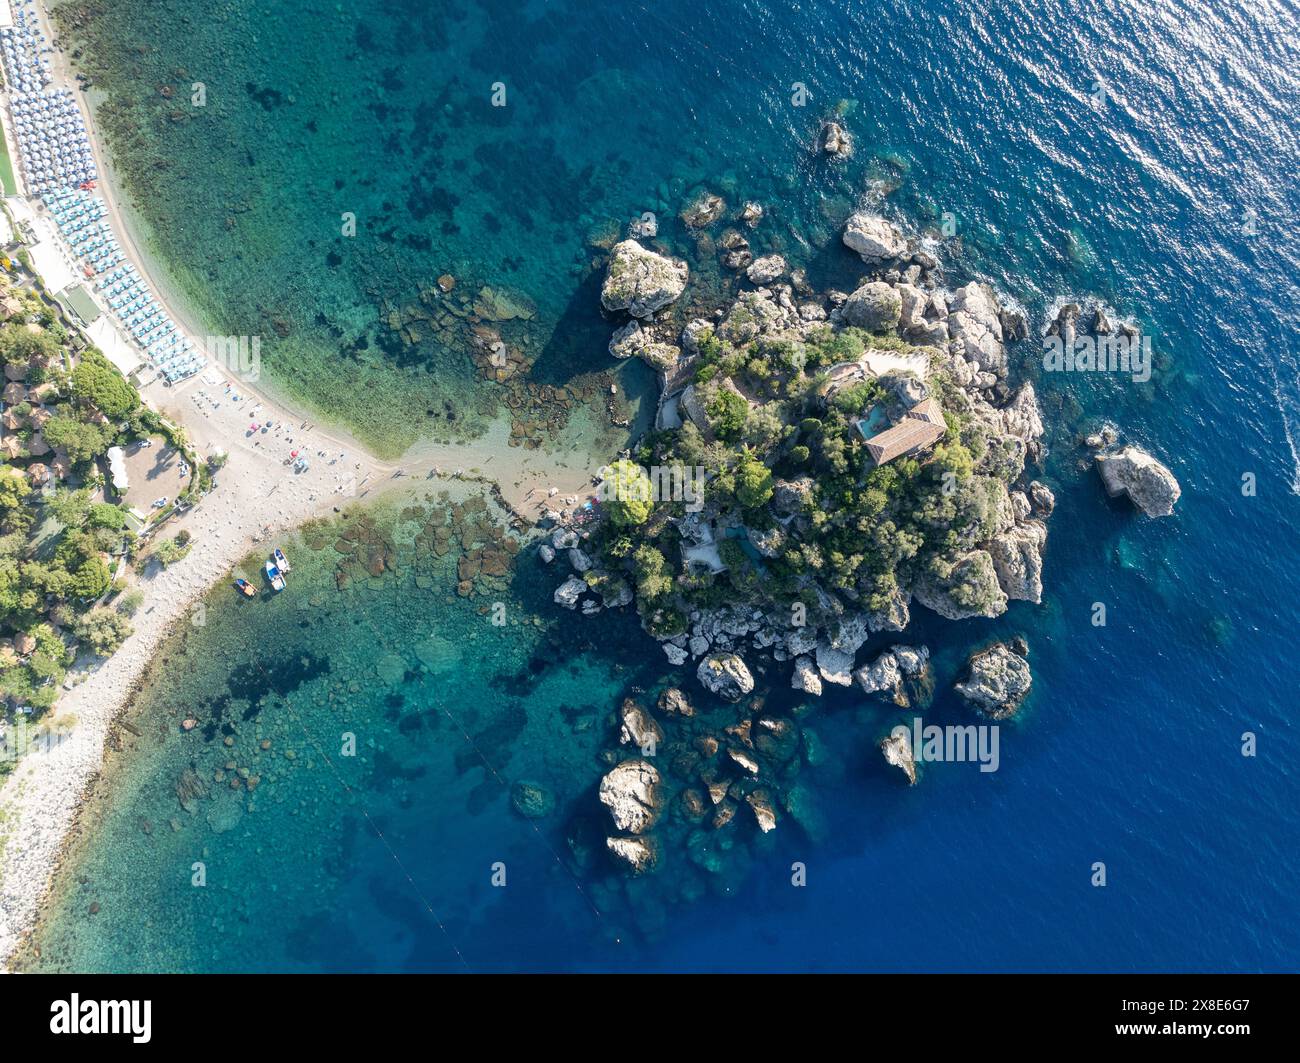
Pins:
<point x="36" y="446"/>
<point x="12" y="446"/>
<point x="11" y="420"/>
<point x="16" y="372"/>
<point x="24" y="643"/>
<point x="61" y="465"/>
<point x="14" y="393"/>
<point x="41" y="392"/>
<point x="39" y="417"/>
<point x="38" y="473"/>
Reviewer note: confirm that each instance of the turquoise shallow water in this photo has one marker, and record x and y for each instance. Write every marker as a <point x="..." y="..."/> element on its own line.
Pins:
<point x="1172" y="201"/>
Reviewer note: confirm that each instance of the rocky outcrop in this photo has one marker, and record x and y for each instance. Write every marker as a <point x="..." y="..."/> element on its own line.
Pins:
<point x="805" y="676"/>
<point x="874" y="238"/>
<point x="568" y="592"/>
<point x="975" y="325"/>
<point x="673" y="702"/>
<point x="1042" y="498"/>
<point x="641" y="281"/>
<point x="631" y="793"/>
<point x="1018" y="560"/>
<point x="898" y="753"/>
<point x="1133" y="472"/>
<point x="880" y="676"/>
<point x="639" y="854"/>
<point x="637" y="727"/>
<point x="997" y="682"/>
<point x="704" y="210"/>
<point x="765" y="270"/>
<point x="764" y="813"/>
<point x="875" y="306"/>
<point x="725" y="675"/>
<point x="835" y="140"/>
<point x="970" y="589"/>
<point x="834" y="665"/>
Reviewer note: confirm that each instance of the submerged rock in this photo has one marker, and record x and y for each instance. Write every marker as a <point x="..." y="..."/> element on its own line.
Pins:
<point x="531" y="800"/>
<point x="1133" y="472"/>
<point x="998" y="681"/>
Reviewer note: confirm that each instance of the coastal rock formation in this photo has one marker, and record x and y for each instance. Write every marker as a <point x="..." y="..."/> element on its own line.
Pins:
<point x="835" y="140"/>
<point x="1018" y="560"/>
<point x="872" y="237"/>
<point x="703" y="211"/>
<point x="881" y="675"/>
<point x="641" y="281"/>
<point x="898" y="753"/>
<point x="568" y="592"/>
<point x="875" y="306"/>
<point x="1133" y="472"/>
<point x="975" y="325"/>
<point x="631" y="793"/>
<point x="834" y="665"/>
<point x="968" y="588"/>
<point x="998" y="681"/>
<point x="805" y="676"/>
<point x="725" y="675"/>
<point x="673" y="702"/>
<point x="638" y="728"/>
<point x="639" y="854"/>
<point x="765" y="270"/>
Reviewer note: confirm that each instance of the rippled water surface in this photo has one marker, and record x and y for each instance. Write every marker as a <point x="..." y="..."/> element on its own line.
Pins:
<point x="1141" y="154"/>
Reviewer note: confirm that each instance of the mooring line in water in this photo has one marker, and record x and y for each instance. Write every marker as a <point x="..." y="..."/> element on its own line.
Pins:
<point x="540" y="837"/>
<point x="370" y="821"/>
<point x="496" y="775"/>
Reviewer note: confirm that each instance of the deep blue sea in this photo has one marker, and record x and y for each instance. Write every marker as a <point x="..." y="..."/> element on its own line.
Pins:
<point x="1144" y="154"/>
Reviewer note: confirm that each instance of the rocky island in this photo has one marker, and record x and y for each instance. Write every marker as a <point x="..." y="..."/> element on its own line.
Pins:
<point x="821" y="465"/>
<point x="856" y="453"/>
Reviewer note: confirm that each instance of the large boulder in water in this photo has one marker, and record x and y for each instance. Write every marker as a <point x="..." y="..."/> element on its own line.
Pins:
<point x="1133" y="472"/>
<point x="641" y="281"/>
<point x="725" y="675"/>
<point x="898" y="752"/>
<point x="639" y="854"/>
<point x="998" y="681"/>
<point x="872" y="237"/>
<point x="631" y="793"/>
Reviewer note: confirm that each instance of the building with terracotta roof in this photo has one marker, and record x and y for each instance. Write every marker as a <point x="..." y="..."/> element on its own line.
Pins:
<point x="921" y="427"/>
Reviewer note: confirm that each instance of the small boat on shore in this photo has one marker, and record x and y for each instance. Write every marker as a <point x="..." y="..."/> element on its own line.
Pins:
<point x="245" y="588"/>
<point x="282" y="562"/>
<point x="274" y="575"/>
